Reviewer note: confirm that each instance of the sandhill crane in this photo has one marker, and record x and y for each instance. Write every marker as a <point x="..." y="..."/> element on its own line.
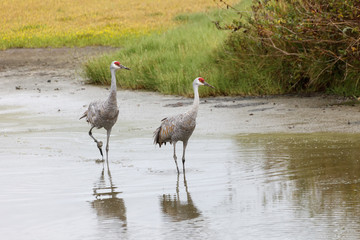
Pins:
<point x="103" y="114"/>
<point x="180" y="127"/>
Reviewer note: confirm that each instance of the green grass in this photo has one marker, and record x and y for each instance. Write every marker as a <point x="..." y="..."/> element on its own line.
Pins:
<point x="168" y="62"/>
<point x="240" y="63"/>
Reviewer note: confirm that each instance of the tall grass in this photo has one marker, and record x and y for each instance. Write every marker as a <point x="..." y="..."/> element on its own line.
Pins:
<point x="168" y="62"/>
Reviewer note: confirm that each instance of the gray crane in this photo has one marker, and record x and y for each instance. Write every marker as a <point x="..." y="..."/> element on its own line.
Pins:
<point x="180" y="127"/>
<point x="103" y="114"/>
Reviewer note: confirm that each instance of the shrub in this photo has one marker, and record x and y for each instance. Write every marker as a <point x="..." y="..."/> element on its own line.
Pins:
<point x="301" y="45"/>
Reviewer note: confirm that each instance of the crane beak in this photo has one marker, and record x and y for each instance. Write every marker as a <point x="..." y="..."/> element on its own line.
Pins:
<point x="206" y="84"/>
<point x="122" y="66"/>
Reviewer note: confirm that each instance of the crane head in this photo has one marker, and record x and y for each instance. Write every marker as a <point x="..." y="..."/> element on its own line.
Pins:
<point x="118" y="65"/>
<point x="201" y="82"/>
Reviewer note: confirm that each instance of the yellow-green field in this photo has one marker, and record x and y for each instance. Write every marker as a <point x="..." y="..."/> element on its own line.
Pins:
<point x="43" y="23"/>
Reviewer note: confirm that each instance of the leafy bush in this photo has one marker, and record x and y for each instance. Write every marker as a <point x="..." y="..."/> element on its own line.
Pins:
<point x="300" y="45"/>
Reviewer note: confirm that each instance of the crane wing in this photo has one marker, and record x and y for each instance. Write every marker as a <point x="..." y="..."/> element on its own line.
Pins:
<point x="167" y="129"/>
<point x="93" y="113"/>
<point x="164" y="132"/>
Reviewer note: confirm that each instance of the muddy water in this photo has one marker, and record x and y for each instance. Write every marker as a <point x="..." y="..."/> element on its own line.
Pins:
<point x="251" y="186"/>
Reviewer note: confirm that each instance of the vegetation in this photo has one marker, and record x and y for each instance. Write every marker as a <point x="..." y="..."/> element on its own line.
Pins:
<point x="296" y="46"/>
<point x="273" y="46"/>
<point x="168" y="62"/>
<point x="52" y="23"/>
<point x="283" y="46"/>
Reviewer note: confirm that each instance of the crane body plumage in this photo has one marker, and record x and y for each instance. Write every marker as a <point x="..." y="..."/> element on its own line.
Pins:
<point x="176" y="128"/>
<point x="104" y="114"/>
<point x="180" y="127"/>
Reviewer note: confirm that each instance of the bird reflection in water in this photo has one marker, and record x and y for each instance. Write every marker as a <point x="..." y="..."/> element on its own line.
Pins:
<point x="175" y="208"/>
<point x="107" y="204"/>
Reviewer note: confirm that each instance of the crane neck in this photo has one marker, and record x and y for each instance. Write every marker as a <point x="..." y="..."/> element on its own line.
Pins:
<point x="196" y="97"/>
<point x="112" y="96"/>
<point x="113" y="79"/>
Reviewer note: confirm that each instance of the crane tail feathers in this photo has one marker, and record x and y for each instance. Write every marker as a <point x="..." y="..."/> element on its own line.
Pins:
<point x="157" y="136"/>
<point x="84" y="115"/>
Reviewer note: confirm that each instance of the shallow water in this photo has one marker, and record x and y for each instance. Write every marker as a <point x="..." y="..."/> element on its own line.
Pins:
<point x="256" y="186"/>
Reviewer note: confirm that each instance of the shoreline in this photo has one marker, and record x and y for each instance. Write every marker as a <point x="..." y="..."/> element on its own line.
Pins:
<point x="40" y="83"/>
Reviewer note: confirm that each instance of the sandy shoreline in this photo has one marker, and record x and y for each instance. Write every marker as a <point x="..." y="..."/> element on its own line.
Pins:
<point x="47" y="83"/>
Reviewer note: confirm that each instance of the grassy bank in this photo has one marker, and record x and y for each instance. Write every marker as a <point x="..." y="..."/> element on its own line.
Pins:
<point x="278" y="49"/>
<point x="168" y="62"/>
<point x="52" y="23"/>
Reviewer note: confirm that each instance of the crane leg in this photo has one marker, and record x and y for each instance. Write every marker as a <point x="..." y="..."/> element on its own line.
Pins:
<point x="175" y="158"/>
<point x="107" y="147"/>
<point x="98" y="143"/>
<point x="183" y="156"/>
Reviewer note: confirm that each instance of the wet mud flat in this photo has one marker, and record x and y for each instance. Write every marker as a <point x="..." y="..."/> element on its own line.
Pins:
<point x="257" y="168"/>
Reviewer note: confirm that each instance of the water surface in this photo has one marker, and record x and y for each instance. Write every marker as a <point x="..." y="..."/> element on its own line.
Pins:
<point x="256" y="186"/>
